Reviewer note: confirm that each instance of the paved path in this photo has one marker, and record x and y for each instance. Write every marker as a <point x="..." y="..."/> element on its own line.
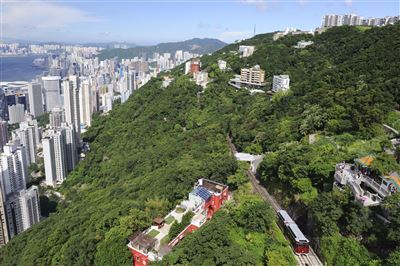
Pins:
<point x="310" y="259"/>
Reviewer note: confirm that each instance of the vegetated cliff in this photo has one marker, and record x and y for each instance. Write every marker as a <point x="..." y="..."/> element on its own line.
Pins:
<point x="146" y="155"/>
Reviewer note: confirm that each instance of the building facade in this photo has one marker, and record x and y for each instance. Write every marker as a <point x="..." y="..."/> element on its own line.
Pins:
<point x="14" y="168"/>
<point x="23" y="211"/>
<point x="51" y="85"/>
<point x="54" y="152"/>
<point x="71" y="103"/>
<point x="35" y="99"/>
<point x="3" y="134"/>
<point x="280" y="83"/>
<point x="85" y="103"/>
<point x="57" y="117"/>
<point x="27" y="136"/>
<point x="252" y="76"/>
<point x="16" y="113"/>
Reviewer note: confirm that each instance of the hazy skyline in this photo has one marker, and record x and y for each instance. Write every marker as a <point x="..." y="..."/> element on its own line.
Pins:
<point x="150" y="22"/>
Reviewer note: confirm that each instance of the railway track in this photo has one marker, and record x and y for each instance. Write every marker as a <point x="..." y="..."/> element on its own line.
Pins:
<point x="310" y="259"/>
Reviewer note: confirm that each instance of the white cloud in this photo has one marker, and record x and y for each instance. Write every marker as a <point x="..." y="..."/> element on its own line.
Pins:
<point x="39" y="17"/>
<point x="260" y="4"/>
<point x="348" y="2"/>
<point x="231" y="36"/>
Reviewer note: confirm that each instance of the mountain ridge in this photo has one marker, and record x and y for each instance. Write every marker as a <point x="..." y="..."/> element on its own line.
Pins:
<point x="194" y="45"/>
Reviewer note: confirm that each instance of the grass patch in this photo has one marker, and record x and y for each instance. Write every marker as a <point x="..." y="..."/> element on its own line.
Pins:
<point x="180" y="210"/>
<point x="153" y="233"/>
<point x="363" y="28"/>
<point x="393" y="120"/>
<point x="169" y="219"/>
<point x="165" y="240"/>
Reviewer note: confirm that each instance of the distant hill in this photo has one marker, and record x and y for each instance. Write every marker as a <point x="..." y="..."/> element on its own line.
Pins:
<point x="196" y="45"/>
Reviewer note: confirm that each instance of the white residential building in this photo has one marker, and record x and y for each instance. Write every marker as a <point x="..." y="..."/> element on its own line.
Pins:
<point x="201" y="78"/>
<point x="3" y="134"/>
<point x="57" y="117"/>
<point x="72" y="104"/>
<point x="303" y="44"/>
<point x="4" y="237"/>
<point x="71" y="146"/>
<point x="85" y="103"/>
<point x="23" y="211"/>
<point x="35" y="99"/>
<point x="246" y="50"/>
<point x="27" y="136"/>
<point x="51" y="85"/>
<point x="13" y="168"/>
<point x="332" y="20"/>
<point x="55" y="161"/>
<point x="16" y="113"/>
<point x="280" y="83"/>
<point x="222" y="64"/>
<point x="107" y="101"/>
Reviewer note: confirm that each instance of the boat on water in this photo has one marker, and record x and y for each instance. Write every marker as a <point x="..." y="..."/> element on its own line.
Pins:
<point x="39" y="62"/>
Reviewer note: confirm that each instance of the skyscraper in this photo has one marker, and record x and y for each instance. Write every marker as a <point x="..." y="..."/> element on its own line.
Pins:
<point x="85" y="103"/>
<point x="55" y="161"/>
<point x="22" y="208"/>
<point x="27" y="135"/>
<point x="71" y="103"/>
<point x="70" y="146"/>
<point x="13" y="168"/>
<point x="3" y="134"/>
<point x="51" y="86"/>
<point x="57" y="117"/>
<point x="3" y="105"/>
<point x="4" y="238"/>
<point x="35" y="99"/>
<point x="16" y="113"/>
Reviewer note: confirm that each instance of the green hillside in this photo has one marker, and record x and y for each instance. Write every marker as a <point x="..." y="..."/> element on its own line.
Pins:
<point x="146" y="155"/>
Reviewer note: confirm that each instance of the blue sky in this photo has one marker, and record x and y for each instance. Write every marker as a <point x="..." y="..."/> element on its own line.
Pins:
<point x="149" y="22"/>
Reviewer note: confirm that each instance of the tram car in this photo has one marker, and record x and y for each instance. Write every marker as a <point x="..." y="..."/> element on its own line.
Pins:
<point x="299" y="242"/>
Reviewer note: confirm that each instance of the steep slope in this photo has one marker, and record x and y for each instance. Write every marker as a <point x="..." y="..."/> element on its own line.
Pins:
<point x="343" y="88"/>
<point x="145" y="157"/>
<point x="196" y="45"/>
<point x="147" y="153"/>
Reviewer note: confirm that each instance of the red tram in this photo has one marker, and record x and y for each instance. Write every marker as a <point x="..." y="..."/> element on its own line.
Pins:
<point x="299" y="241"/>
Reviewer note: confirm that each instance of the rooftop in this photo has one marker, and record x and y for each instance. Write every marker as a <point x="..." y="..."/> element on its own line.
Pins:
<point x="365" y="161"/>
<point x="142" y="241"/>
<point x="202" y="193"/>
<point x="212" y="185"/>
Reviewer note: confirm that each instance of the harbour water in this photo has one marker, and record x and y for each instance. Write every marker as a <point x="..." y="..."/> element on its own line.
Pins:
<point x="18" y="68"/>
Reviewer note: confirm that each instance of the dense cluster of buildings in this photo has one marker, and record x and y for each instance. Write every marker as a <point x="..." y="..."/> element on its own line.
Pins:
<point x="204" y="200"/>
<point x="193" y="68"/>
<point x="333" y="20"/>
<point x="44" y="49"/>
<point x="19" y="205"/>
<point x="75" y="86"/>
<point x="290" y="31"/>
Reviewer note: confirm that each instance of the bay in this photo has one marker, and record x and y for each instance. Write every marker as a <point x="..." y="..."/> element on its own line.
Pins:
<point x="18" y="68"/>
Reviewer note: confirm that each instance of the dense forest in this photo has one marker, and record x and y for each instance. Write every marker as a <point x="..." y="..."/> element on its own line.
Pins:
<point x="147" y="153"/>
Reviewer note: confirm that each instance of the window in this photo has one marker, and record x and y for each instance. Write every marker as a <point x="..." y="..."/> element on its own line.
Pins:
<point x="137" y="258"/>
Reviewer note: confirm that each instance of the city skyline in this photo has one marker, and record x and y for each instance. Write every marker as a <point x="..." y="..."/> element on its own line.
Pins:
<point x="146" y="23"/>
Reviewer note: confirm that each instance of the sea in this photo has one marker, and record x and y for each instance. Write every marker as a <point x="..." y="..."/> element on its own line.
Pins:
<point x="18" y="68"/>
